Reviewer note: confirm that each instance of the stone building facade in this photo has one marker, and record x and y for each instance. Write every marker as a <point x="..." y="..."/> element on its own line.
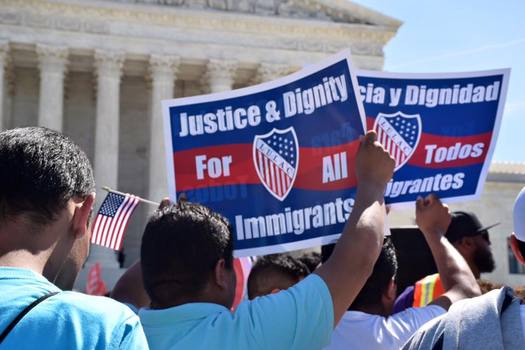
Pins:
<point x="97" y="70"/>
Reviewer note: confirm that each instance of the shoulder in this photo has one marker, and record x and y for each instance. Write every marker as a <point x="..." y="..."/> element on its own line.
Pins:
<point x="95" y="307"/>
<point x="99" y="314"/>
<point x="426" y="337"/>
<point x="309" y="295"/>
<point x="412" y="319"/>
<point x="84" y="322"/>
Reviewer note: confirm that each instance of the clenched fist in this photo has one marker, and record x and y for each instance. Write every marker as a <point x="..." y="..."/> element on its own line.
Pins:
<point x="432" y="216"/>
<point x="373" y="164"/>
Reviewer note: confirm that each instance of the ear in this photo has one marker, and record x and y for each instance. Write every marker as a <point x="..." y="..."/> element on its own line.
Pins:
<point x="221" y="277"/>
<point x="390" y="293"/>
<point x="389" y="297"/>
<point x="464" y="245"/>
<point x="81" y="216"/>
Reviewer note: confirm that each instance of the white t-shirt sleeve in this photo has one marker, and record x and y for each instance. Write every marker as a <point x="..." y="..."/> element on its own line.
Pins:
<point x="403" y="325"/>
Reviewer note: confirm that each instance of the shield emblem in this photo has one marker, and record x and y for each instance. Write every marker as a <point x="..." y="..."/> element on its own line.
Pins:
<point x="399" y="133"/>
<point x="276" y="160"/>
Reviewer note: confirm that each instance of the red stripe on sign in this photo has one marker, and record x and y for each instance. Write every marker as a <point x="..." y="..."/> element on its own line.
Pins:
<point x="433" y="150"/>
<point x="242" y="167"/>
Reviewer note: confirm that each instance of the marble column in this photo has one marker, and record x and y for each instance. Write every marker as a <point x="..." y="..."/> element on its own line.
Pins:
<point x="4" y="49"/>
<point x="52" y="61"/>
<point x="162" y="70"/>
<point x="270" y="71"/>
<point x="220" y="75"/>
<point x="108" y="70"/>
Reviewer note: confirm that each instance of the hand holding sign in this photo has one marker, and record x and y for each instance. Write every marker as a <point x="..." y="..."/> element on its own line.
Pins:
<point x="374" y="165"/>
<point x="432" y="216"/>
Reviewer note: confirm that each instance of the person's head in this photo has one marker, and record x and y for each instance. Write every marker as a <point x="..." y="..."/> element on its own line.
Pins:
<point x="273" y="273"/>
<point x="379" y="292"/>
<point x="311" y="259"/>
<point x="46" y="198"/>
<point x="472" y="240"/>
<point x="517" y="239"/>
<point x="187" y="256"/>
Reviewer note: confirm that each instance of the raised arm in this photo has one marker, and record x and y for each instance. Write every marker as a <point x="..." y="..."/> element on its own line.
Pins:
<point x="356" y="252"/>
<point x="433" y="219"/>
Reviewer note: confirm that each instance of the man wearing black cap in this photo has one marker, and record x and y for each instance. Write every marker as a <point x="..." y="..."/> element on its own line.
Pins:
<point x="471" y="239"/>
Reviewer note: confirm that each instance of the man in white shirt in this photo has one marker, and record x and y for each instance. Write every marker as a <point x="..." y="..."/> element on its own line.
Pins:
<point x="369" y="323"/>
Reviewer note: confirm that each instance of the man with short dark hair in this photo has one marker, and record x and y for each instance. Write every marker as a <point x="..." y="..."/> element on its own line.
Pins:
<point x="273" y="273"/>
<point x="311" y="259"/>
<point x="199" y="243"/>
<point x="46" y="199"/>
<point x="369" y="323"/>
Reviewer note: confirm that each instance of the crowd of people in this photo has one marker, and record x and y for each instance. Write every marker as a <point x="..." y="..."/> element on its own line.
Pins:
<point x="180" y="294"/>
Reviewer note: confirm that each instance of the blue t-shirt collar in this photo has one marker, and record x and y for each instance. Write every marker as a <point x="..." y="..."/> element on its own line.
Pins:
<point x="185" y="312"/>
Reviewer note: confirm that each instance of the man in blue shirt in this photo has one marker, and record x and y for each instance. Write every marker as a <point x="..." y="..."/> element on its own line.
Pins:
<point x="46" y="199"/>
<point x="186" y="259"/>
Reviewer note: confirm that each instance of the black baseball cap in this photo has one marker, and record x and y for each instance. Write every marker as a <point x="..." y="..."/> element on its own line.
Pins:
<point x="465" y="224"/>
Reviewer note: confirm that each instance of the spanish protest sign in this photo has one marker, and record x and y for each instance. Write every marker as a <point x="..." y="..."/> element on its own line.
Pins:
<point x="441" y="129"/>
<point x="276" y="159"/>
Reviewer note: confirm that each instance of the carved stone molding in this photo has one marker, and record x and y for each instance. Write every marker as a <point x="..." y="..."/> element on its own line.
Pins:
<point x="109" y="63"/>
<point x="271" y="71"/>
<point x="163" y="66"/>
<point x="219" y="75"/>
<point x="52" y="59"/>
<point x="221" y="69"/>
<point x="303" y="9"/>
<point x="93" y="19"/>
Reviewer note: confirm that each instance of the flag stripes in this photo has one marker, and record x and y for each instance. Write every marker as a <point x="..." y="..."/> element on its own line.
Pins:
<point x="112" y="220"/>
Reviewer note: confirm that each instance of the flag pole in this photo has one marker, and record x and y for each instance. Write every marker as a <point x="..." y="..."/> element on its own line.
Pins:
<point x="106" y="188"/>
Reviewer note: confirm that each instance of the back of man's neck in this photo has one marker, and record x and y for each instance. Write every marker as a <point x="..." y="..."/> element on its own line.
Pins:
<point x="159" y="305"/>
<point x="371" y="310"/>
<point x="22" y="259"/>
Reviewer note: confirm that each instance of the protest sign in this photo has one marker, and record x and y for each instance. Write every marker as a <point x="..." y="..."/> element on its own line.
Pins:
<point x="276" y="159"/>
<point x="440" y="128"/>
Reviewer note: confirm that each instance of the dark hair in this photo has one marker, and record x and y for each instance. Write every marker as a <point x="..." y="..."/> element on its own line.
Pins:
<point x="384" y="269"/>
<point x="267" y="267"/>
<point x="41" y="170"/>
<point x="311" y="259"/>
<point x="181" y="245"/>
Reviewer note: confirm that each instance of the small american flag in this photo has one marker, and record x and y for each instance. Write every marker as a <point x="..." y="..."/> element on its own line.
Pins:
<point x="112" y="220"/>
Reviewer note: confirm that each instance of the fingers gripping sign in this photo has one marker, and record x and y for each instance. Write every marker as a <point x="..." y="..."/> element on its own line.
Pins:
<point x="432" y="216"/>
<point x="373" y="164"/>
